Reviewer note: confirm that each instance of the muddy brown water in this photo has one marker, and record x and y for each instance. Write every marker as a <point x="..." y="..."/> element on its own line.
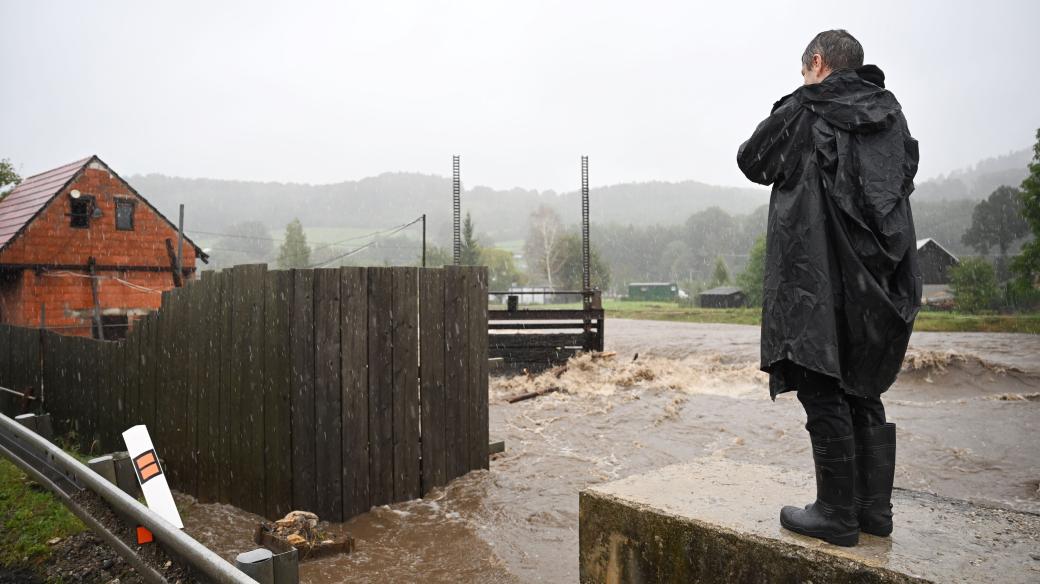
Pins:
<point x="967" y="407"/>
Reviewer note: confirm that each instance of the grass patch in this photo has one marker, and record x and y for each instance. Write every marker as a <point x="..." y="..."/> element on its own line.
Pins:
<point x="986" y="323"/>
<point x="926" y="320"/>
<point x="30" y="516"/>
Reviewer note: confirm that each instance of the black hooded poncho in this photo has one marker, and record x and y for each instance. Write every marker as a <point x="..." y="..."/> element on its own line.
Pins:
<point x="842" y="283"/>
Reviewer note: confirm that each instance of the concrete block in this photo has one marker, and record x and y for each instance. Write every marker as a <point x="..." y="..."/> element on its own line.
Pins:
<point x="718" y="521"/>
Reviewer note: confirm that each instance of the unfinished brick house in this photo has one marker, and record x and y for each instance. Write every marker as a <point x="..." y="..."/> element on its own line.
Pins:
<point x="84" y="253"/>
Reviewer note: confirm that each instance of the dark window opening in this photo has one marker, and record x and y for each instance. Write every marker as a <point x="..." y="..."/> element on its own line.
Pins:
<point x="125" y="214"/>
<point x="80" y="211"/>
<point x="115" y="326"/>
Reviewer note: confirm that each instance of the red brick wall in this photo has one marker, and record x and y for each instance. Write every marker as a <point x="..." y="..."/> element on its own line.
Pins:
<point x="49" y="239"/>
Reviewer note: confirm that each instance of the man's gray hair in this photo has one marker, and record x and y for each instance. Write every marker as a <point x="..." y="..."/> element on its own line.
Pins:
<point x="837" y="48"/>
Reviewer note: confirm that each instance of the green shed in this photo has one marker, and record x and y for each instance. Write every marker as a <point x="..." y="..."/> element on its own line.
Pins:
<point x="653" y="291"/>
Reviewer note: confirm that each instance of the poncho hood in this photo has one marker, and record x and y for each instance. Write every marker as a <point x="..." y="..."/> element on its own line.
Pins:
<point x="849" y="102"/>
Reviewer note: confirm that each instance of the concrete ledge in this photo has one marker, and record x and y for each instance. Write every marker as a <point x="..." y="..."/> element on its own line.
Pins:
<point x="717" y="521"/>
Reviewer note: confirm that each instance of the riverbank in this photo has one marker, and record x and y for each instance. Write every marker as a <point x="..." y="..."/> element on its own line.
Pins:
<point x="927" y="321"/>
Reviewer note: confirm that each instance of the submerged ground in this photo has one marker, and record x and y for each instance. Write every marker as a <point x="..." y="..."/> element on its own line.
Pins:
<point x="967" y="406"/>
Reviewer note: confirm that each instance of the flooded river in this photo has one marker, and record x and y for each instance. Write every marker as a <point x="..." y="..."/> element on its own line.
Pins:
<point x="967" y="406"/>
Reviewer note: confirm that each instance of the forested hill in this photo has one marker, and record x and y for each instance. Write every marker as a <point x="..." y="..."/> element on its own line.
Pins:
<point x="942" y="206"/>
<point x="393" y="198"/>
<point x="979" y="181"/>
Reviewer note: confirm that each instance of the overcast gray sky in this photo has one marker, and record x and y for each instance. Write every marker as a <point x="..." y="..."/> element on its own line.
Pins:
<point x="327" y="91"/>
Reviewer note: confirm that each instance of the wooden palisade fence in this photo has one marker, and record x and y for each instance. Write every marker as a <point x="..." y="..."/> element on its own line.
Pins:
<point x="329" y="390"/>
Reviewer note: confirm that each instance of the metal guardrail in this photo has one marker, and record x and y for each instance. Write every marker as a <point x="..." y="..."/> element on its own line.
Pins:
<point x="62" y="474"/>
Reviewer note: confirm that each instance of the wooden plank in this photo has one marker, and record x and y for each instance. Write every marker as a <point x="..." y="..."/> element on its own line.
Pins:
<point x="431" y="377"/>
<point x="208" y="377"/>
<point x="380" y="387"/>
<point x="478" y="364"/>
<point x="455" y="371"/>
<point x="527" y="326"/>
<point x="190" y="341"/>
<point x="301" y="332"/>
<point x="239" y="360"/>
<point x="508" y="341"/>
<point x="248" y="487"/>
<point x="170" y="410"/>
<point x="224" y="426"/>
<point x="328" y="425"/>
<point x="354" y="389"/>
<point x="133" y="372"/>
<point x="277" y="390"/>
<point x="545" y="314"/>
<point x="100" y="391"/>
<point x="405" y="311"/>
<point x="149" y="371"/>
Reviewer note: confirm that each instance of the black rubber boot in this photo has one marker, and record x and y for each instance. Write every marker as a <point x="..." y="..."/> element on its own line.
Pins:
<point x="875" y="472"/>
<point x="832" y="517"/>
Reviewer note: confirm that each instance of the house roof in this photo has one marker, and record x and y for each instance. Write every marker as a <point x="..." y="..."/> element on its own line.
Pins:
<point x="722" y="291"/>
<point x="28" y="199"/>
<point x="923" y="242"/>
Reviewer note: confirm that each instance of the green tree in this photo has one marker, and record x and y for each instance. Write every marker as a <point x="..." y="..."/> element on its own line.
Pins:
<point x="8" y="177"/>
<point x="437" y="256"/>
<point x="974" y="285"/>
<point x="570" y="273"/>
<point x="1027" y="265"/>
<point x="720" y="276"/>
<point x="470" y="254"/>
<point x="294" y="252"/>
<point x="542" y="248"/>
<point x="502" y="270"/>
<point x="996" y="221"/>
<point x="247" y="241"/>
<point x="752" y="279"/>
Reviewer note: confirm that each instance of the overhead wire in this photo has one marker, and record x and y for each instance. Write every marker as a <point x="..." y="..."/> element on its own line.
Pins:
<point x="366" y="246"/>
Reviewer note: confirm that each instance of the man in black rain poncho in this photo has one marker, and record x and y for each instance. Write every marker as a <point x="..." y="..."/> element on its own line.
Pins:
<point x="842" y="284"/>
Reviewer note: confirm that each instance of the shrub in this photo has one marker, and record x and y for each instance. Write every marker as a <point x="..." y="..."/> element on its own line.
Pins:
<point x="974" y="285"/>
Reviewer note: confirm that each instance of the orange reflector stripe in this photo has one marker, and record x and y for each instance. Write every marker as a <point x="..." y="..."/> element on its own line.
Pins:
<point x="144" y="536"/>
<point x="149" y="472"/>
<point x="145" y="459"/>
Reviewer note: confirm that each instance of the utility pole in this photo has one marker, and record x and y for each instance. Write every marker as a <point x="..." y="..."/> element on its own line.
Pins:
<point x="180" y="242"/>
<point x="456" y="192"/>
<point x="91" y="265"/>
<point x="424" y="240"/>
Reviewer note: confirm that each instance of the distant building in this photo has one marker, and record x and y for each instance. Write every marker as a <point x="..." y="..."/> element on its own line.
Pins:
<point x="653" y="291"/>
<point x="77" y="243"/>
<point x="935" y="261"/>
<point x="723" y="297"/>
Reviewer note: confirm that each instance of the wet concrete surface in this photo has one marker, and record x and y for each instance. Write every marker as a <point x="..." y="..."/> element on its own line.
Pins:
<point x="701" y="521"/>
<point x="966" y="407"/>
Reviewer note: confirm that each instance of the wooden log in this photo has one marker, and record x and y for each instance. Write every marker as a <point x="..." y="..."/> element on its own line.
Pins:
<point x="354" y="387"/>
<point x="532" y="394"/>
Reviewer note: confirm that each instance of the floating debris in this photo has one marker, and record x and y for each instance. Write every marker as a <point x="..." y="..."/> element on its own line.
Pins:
<point x="299" y="529"/>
